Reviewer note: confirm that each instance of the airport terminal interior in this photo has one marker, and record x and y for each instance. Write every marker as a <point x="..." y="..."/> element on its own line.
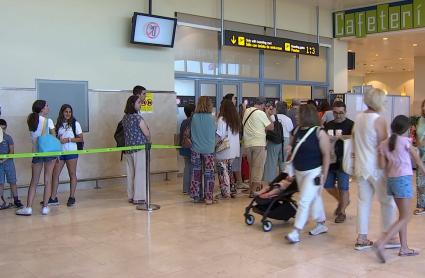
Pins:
<point x="92" y="54"/>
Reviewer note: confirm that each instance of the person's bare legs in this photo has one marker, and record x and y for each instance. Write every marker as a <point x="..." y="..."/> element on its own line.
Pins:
<point x="71" y="165"/>
<point x="400" y="227"/>
<point x="55" y="177"/>
<point x="48" y="170"/>
<point x="35" y="177"/>
<point x="344" y="200"/>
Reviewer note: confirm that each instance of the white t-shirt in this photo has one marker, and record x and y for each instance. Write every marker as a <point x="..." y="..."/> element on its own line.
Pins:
<point x="37" y="133"/>
<point x="223" y="131"/>
<point x="286" y="124"/>
<point x="65" y="131"/>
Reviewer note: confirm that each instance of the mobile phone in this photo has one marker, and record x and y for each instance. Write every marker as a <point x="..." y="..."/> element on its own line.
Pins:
<point x="317" y="180"/>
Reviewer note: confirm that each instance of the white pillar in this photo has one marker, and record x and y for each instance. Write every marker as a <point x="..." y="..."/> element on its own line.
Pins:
<point x="338" y="79"/>
<point x="419" y="84"/>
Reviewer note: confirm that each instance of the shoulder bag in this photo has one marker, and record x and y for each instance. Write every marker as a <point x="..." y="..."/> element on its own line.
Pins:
<point x="47" y="142"/>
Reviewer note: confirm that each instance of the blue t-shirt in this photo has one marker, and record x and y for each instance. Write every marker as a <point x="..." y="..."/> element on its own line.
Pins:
<point x="203" y="133"/>
<point x="5" y="144"/>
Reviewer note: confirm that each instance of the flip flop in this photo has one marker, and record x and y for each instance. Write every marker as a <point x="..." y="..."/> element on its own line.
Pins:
<point x="419" y="211"/>
<point x="409" y="253"/>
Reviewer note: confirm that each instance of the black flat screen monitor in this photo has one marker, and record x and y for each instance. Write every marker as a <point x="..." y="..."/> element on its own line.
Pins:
<point x="153" y="30"/>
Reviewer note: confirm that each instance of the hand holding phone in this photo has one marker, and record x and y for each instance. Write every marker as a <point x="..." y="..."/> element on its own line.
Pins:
<point x="317" y="180"/>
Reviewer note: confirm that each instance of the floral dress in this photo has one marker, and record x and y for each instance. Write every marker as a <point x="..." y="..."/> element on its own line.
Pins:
<point x="420" y="177"/>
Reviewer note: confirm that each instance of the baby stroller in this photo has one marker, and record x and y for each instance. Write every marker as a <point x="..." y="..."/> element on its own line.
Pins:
<point x="281" y="207"/>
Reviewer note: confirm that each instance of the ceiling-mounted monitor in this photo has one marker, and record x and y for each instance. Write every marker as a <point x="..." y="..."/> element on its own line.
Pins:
<point x="153" y="30"/>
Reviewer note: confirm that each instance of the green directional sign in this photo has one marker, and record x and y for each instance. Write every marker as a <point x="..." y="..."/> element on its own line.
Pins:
<point x="393" y="16"/>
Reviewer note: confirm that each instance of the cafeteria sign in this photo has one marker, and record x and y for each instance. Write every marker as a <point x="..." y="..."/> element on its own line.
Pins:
<point x="147" y="105"/>
<point x="400" y="15"/>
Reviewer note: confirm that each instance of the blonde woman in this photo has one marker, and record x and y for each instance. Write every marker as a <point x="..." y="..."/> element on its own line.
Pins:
<point x="203" y="130"/>
<point x="370" y="129"/>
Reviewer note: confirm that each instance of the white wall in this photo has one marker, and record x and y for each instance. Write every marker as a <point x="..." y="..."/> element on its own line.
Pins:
<point x="395" y="83"/>
<point x="419" y="88"/>
<point x="88" y="40"/>
<point x="355" y="80"/>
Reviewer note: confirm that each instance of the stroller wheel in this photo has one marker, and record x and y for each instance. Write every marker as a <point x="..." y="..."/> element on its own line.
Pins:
<point x="249" y="219"/>
<point x="267" y="226"/>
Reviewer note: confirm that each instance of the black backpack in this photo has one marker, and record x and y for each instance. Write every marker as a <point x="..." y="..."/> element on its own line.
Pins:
<point x="119" y="135"/>
<point x="275" y="135"/>
<point x="80" y="145"/>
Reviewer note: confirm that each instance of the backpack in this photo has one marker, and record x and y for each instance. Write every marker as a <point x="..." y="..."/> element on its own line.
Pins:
<point x="119" y="135"/>
<point x="186" y="140"/>
<point x="80" y="145"/>
<point x="275" y="135"/>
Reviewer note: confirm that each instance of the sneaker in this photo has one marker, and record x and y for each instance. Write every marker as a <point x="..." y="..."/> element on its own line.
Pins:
<point x="293" y="237"/>
<point x="18" y="204"/>
<point x="45" y="210"/>
<point x="24" y="211"/>
<point x="71" y="202"/>
<point x="242" y="185"/>
<point x="319" y="229"/>
<point x="52" y="202"/>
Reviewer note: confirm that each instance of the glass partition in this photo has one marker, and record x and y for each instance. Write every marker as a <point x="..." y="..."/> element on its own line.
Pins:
<point x="313" y="68"/>
<point x="279" y="65"/>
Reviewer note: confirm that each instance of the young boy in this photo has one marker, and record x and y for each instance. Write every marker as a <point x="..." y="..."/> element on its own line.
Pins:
<point x="7" y="168"/>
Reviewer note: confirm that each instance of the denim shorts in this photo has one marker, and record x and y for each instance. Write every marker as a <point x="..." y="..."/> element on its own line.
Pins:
<point x="68" y="157"/>
<point x="7" y="169"/>
<point x="400" y="187"/>
<point x="340" y="177"/>
<point x="43" y="159"/>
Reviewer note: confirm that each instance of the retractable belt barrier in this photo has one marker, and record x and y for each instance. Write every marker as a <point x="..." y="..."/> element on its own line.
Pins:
<point x="147" y="147"/>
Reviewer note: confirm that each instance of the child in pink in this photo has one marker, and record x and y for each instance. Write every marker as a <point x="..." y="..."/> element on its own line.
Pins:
<point x="394" y="157"/>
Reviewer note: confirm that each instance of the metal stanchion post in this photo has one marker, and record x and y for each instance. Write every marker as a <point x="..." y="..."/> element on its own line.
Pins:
<point x="148" y="206"/>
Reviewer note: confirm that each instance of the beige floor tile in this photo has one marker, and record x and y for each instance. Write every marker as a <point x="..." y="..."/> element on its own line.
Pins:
<point x="104" y="236"/>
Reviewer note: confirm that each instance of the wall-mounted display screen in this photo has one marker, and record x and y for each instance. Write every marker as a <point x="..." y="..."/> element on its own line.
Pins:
<point x="153" y="30"/>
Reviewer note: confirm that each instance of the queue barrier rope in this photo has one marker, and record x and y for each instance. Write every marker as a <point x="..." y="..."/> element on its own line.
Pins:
<point x="148" y="146"/>
<point x="87" y="151"/>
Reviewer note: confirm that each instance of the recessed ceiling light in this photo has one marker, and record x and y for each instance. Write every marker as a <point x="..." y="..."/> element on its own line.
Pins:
<point x="401" y="58"/>
<point x="349" y="50"/>
<point x="415" y="44"/>
<point x="385" y="38"/>
<point x="376" y="55"/>
<point x="371" y="65"/>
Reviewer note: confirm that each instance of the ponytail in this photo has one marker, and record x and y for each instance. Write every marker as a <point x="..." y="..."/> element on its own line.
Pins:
<point x="32" y="121"/>
<point x="392" y="142"/>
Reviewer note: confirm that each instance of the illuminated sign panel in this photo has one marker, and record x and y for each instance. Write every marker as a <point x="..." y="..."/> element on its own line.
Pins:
<point x="248" y="40"/>
<point x="393" y="16"/>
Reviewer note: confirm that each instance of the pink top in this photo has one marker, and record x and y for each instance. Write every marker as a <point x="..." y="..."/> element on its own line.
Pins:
<point x="398" y="161"/>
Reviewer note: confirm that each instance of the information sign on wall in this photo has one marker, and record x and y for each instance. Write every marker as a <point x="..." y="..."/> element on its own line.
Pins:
<point x="248" y="40"/>
<point x="147" y="105"/>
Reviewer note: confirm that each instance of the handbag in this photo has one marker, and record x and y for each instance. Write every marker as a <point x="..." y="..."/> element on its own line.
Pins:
<point x="222" y="144"/>
<point x="288" y="165"/>
<point x="347" y="158"/>
<point x="47" y="142"/>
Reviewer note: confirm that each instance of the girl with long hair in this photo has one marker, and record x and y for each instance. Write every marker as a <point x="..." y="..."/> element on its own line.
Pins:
<point x="228" y="126"/>
<point x="69" y="132"/>
<point x="37" y="121"/>
<point x="394" y="157"/>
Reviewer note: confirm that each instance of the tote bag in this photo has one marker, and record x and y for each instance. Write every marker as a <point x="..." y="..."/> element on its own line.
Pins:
<point x="347" y="158"/>
<point x="47" y="142"/>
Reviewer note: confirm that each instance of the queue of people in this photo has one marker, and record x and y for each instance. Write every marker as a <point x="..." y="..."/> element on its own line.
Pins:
<point x="315" y="144"/>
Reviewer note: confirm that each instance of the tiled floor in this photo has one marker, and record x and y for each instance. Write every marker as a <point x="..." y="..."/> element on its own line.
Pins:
<point x="104" y="236"/>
